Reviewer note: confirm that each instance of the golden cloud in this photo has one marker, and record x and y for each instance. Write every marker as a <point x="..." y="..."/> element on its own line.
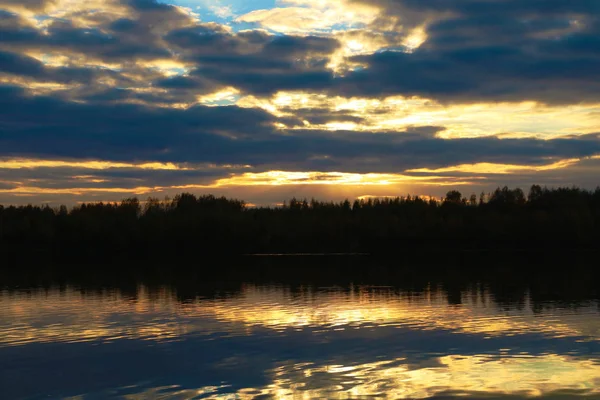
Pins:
<point x="281" y="178"/>
<point x="398" y="113"/>
<point x="23" y="163"/>
<point x="306" y="16"/>
<point x="341" y="181"/>
<point x="492" y="168"/>
<point x="227" y="95"/>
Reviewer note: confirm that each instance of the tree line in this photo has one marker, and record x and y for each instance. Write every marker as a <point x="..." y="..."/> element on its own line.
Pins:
<point x="506" y="219"/>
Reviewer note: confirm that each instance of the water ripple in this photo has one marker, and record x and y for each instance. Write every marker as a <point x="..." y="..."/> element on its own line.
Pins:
<point x="310" y="343"/>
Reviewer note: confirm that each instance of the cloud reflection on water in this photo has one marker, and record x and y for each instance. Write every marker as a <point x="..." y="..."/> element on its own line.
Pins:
<point x="324" y="343"/>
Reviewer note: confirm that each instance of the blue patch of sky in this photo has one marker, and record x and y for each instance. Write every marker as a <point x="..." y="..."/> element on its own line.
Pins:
<point x="340" y="26"/>
<point x="230" y="101"/>
<point x="42" y="17"/>
<point x="178" y="71"/>
<point x="395" y="49"/>
<point x="209" y="9"/>
<point x="241" y="26"/>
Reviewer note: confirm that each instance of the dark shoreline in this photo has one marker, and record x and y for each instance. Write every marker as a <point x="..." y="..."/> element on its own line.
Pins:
<point x="563" y="220"/>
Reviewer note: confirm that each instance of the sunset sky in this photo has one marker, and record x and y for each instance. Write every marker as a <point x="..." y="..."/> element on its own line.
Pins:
<point x="268" y="99"/>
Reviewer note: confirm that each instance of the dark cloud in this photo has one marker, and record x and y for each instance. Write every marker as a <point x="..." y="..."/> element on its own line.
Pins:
<point x="252" y="61"/>
<point x="11" y="23"/>
<point x="185" y="88"/>
<point x="178" y="82"/>
<point x="6" y="185"/>
<point x="497" y="50"/>
<point x="33" y="70"/>
<point x="416" y="12"/>
<point x="66" y="177"/>
<point x="93" y="43"/>
<point x="120" y="131"/>
<point x="130" y="96"/>
<point x="492" y="7"/>
<point x="233" y="135"/>
<point x="257" y="62"/>
<point x="19" y="64"/>
<point x="148" y="5"/>
<point x="319" y="116"/>
<point x="125" y="39"/>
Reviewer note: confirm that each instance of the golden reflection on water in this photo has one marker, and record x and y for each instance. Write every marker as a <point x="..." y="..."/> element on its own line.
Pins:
<point x="70" y="315"/>
<point x="365" y="307"/>
<point x="524" y="376"/>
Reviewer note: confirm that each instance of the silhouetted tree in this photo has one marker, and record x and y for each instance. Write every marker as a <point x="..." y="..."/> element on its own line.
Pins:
<point x="546" y="219"/>
<point x="473" y="200"/>
<point x="453" y="196"/>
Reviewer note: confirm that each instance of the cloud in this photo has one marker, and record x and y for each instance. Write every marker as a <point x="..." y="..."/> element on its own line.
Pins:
<point x="156" y="43"/>
<point x="394" y="114"/>
<point x="351" y="23"/>
<point x="30" y="5"/>
<point x="503" y="50"/>
<point x="284" y="178"/>
<point x="474" y="76"/>
<point x="20" y="163"/>
<point x="311" y="16"/>
<point x="101" y="39"/>
<point x="343" y="87"/>
<point x="18" y="64"/>
<point x="288" y="20"/>
<point x="460" y="52"/>
<point x="490" y="168"/>
<point x="243" y="136"/>
<point x="255" y="61"/>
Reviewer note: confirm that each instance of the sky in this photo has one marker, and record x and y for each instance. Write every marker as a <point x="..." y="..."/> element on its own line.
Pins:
<point x="264" y="100"/>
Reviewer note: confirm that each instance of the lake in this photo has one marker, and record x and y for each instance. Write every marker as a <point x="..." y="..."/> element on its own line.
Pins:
<point x="404" y="338"/>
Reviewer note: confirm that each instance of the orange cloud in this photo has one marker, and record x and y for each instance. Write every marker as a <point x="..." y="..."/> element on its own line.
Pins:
<point x="492" y="168"/>
<point x="279" y="178"/>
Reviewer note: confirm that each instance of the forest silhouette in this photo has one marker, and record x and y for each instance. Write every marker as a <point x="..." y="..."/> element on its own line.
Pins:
<point x="506" y="219"/>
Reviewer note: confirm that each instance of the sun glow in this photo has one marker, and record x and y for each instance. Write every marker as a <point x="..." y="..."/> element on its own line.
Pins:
<point x="346" y="183"/>
<point x="279" y="178"/>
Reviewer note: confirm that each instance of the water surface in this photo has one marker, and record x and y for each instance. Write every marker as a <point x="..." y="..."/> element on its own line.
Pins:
<point x="296" y="342"/>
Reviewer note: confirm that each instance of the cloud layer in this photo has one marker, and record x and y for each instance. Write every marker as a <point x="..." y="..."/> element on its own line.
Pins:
<point x="106" y="98"/>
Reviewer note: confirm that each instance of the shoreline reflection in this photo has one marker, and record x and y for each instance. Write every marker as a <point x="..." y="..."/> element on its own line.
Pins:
<point x="69" y="315"/>
<point x="328" y="342"/>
